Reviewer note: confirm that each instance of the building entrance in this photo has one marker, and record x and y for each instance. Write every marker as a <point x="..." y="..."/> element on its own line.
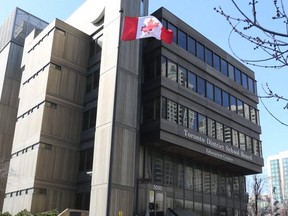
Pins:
<point x="156" y="203"/>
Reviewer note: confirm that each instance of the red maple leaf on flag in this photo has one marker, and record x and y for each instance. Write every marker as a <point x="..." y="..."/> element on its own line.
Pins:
<point x="150" y="26"/>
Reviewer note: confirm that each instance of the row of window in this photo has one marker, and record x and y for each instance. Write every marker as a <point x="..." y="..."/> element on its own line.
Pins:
<point x="175" y="172"/>
<point x="205" y="54"/>
<point x="201" y="86"/>
<point x="189" y="118"/>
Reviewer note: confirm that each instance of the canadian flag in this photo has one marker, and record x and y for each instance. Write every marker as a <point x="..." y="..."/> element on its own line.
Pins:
<point x="144" y="27"/>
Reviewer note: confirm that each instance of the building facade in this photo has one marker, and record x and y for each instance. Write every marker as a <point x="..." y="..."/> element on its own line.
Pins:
<point x="12" y="35"/>
<point x="131" y="127"/>
<point x="277" y="167"/>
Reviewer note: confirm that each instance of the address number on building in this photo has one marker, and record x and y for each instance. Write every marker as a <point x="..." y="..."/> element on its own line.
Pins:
<point x="157" y="187"/>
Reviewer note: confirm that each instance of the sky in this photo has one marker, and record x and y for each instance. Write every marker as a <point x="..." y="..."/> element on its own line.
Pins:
<point x="202" y="17"/>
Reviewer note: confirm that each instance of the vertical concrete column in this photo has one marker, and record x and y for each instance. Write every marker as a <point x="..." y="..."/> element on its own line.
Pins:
<point x="113" y="177"/>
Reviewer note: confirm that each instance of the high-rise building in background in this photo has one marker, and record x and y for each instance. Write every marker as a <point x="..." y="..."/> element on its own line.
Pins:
<point x="277" y="167"/>
<point x="12" y="35"/>
<point x="131" y="127"/>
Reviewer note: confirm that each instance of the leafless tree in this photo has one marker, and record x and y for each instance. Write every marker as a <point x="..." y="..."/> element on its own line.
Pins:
<point x="273" y="42"/>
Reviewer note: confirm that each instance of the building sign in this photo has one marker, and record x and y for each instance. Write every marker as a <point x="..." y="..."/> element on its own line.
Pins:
<point x="225" y="148"/>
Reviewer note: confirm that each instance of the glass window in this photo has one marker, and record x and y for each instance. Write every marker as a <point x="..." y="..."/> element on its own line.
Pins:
<point x="164" y="108"/>
<point x="192" y="45"/>
<point x="92" y="117"/>
<point x="229" y="188"/>
<point x="225" y="97"/>
<point x="192" y="118"/>
<point x="206" y="182"/>
<point x="250" y="84"/>
<point x="182" y="76"/>
<point x="164" y="66"/>
<point x="200" y="51"/>
<point x="214" y="183"/>
<point x="227" y="134"/>
<point x="235" y="135"/>
<point x="224" y="67"/>
<point x="253" y="116"/>
<point x="182" y="115"/>
<point x="208" y="56"/>
<point x="182" y="39"/>
<point x="168" y="174"/>
<point x="222" y="184"/>
<point x="219" y="131"/>
<point x="218" y="95"/>
<point x="201" y="86"/>
<point x="242" y="141"/>
<point x="244" y="80"/>
<point x="172" y="70"/>
<point x="238" y="76"/>
<point x="256" y="147"/>
<point x="189" y="177"/>
<point x="240" y="109"/>
<point x="158" y="169"/>
<point x="246" y="111"/>
<point x="197" y="179"/>
<point x="210" y="90"/>
<point x="89" y="80"/>
<point x="249" y="144"/>
<point x="202" y="124"/>
<point x="174" y="29"/>
<point x="178" y="174"/>
<point x="216" y="62"/>
<point x="211" y="128"/>
<point x="192" y="81"/>
<point x="96" y="79"/>
<point x="171" y="111"/>
<point x="233" y="106"/>
<point x="231" y="71"/>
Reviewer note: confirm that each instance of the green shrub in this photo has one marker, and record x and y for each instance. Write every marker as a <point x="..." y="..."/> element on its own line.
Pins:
<point x="24" y="213"/>
<point x="5" y="214"/>
<point x="48" y="213"/>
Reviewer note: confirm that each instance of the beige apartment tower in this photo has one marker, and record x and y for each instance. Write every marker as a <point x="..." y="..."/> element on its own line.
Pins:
<point x="126" y="128"/>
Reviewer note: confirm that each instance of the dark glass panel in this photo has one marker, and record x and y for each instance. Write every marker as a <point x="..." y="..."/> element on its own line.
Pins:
<point x="231" y="71"/>
<point x="202" y="124"/>
<point x="240" y="108"/>
<point x="200" y="51"/>
<point x="235" y="138"/>
<point x="216" y="61"/>
<point x="218" y="95"/>
<point x="182" y="76"/>
<point x="182" y="39"/>
<point x="238" y="76"/>
<point x="201" y="86"/>
<point x="233" y="105"/>
<point x="191" y="45"/>
<point x="224" y="67"/>
<point x="210" y="90"/>
<point x="164" y="66"/>
<point x="172" y="70"/>
<point x="192" y="118"/>
<point x="192" y="81"/>
<point x="219" y="131"/>
<point x="182" y="115"/>
<point x="211" y="128"/>
<point x="208" y="56"/>
<point x="226" y="101"/>
<point x="174" y="29"/>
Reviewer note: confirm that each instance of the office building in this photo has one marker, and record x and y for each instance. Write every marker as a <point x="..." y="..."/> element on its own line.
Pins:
<point x="277" y="167"/>
<point x="12" y="35"/>
<point x="131" y="127"/>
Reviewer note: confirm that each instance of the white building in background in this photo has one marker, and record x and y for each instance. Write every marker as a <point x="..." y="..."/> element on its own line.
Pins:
<point x="278" y="173"/>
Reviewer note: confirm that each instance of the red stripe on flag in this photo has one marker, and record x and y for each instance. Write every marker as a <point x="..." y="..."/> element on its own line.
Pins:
<point x="167" y="35"/>
<point x="130" y="28"/>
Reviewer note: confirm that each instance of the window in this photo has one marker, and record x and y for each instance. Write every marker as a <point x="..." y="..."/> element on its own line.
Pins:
<point x="256" y="150"/>
<point x="242" y="141"/>
<point x="158" y="169"/>
<point x="174" y="29"/>
<point x="238" y="76"/>
<point x="191" y="45"/>
<point x="253" y="115"/>
<point x="244" y="80"/>
<point x="224" y="67"/>
<point x="202" y="124"/>
<point x="227" y="134"/>
<point x="211" y="128"/>
<point x="235" y="140"/>
<point x="233" y="106"/>
<point x="240" y="109"/>
<point x="182" y="76"/>
<point x="89" y="118"/>
<point x="178" y="174"/>
<point x="249" y="144"/>
<point x="208" y="57"/>
<point x="168" y="168"/>
<point x="246" y="111"/>
<point x="171" y="111"/>
<point x="201" y="86"/>
<point x="192" y="118"/>
<point x="219" y="131"/>
<point x="189" y="177"/>
<point x="206" y="182"/>
<point x="218" y="95"/>
<point x="225" y="97"/>
<point x="200" y="51"/>
<point x="216" y="62"/>
<point x="231" y="72"/>
<point x="197" y="179"/>
<point x="182" y="39"/>
<point x="164" y="108"/>
<point x="172" y="70"/>
<point x="210" y="90"/>
<point x="164" y="66"/>
<point x="182" y="115"/>
<point x="250" y="84"/>
<point x="192" y="81"/>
